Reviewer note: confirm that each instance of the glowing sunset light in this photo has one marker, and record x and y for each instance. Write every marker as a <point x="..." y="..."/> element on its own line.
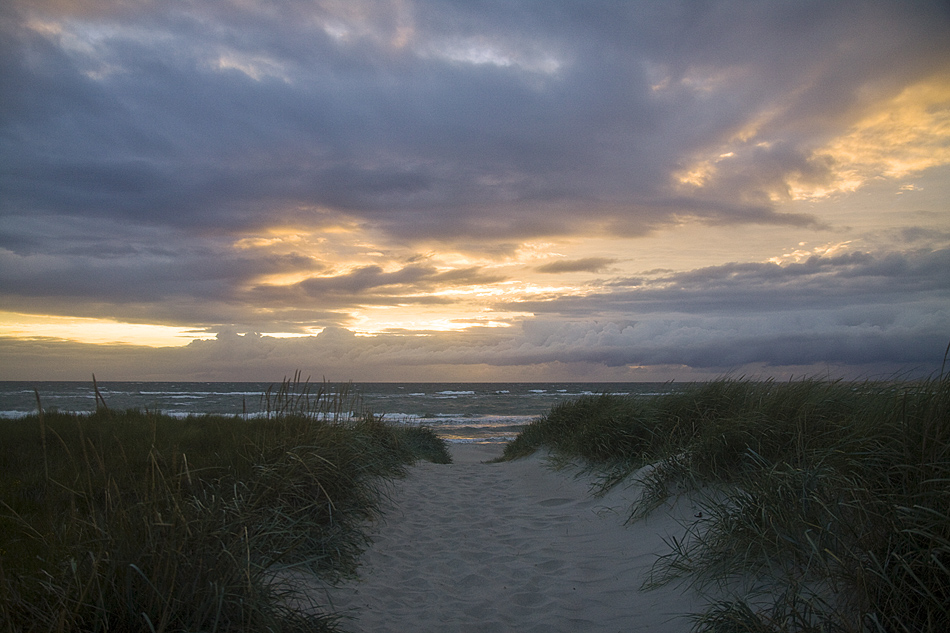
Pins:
<point x="89" y="330"/>
<point x="907" y="134"/>
<point x="422" y="326"/>
<point x="353" y="188"/>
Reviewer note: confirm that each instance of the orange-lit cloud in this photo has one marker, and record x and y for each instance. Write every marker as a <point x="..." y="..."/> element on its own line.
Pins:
<point x="901" y="137"/>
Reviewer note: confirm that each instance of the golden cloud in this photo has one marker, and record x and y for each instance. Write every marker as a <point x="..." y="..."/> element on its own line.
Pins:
<point x="903" y="136"/>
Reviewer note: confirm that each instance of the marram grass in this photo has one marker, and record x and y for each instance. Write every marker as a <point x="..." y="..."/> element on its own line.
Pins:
<point x="132" y="521"/>
<point x="826" y="505"/>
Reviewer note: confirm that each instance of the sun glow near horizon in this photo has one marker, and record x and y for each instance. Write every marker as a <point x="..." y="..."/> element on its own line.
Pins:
<point x="453" y="305"/>
<point x="96" y="331"/>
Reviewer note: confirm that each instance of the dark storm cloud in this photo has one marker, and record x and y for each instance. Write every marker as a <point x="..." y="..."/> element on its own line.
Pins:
<point x="856" y="309"/>
<point x="214" y="114"/>
<point x="844" y="281"/>
<point x="140" y="272"/>
<point x="148" y="276"/>
<point x="806" y="339"/>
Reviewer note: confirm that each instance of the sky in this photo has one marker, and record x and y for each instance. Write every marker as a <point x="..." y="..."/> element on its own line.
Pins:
<point x="474" y="190"/>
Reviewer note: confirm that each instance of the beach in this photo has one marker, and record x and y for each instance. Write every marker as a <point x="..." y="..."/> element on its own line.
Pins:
<point x="786" y="492"/>
<point x="512" y="546"/>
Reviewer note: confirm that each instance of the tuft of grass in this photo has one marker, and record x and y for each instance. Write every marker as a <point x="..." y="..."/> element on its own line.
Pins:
<point x="122" y="521"/>
<point x="826" y="504"/>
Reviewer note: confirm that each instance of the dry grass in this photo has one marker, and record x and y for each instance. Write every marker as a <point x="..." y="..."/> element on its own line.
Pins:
<point x="132" y="521"/>
<point x="826" y="504"/>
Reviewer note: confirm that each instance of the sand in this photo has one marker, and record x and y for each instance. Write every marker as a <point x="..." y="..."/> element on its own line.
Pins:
<point x="513" y="546"/>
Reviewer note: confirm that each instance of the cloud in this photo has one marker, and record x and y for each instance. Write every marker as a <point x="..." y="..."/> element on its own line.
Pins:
<point x="587" y="264"/>
<point x="252" y="167"/>
<point x="370" y="285"/>
<point x="811" y="342"/>
<point x="732" y="318"/>
<point x="847" y="280"/>
<point x="419" y="124"/>
<point x="806" y="338"/>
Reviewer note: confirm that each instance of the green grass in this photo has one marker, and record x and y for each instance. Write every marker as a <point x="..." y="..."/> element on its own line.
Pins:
<point x="826" y="504"/>
<point x="138" y="521"/>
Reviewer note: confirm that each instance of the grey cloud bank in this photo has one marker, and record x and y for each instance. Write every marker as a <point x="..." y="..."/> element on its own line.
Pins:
<point x="693" y="326"/>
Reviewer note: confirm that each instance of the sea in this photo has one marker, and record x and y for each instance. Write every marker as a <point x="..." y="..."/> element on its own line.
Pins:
<point x="457" y="412"/>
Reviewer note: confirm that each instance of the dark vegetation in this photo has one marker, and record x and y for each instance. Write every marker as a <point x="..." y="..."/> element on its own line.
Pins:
<point x="825" y="505"/>
<point x="138" y="521"/>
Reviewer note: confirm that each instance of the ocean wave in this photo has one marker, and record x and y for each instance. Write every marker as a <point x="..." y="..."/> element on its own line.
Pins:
<point x="191" y="394"/>
<point x="19" y="415"/>
<point x="452" y="409"/>
<point x="477" y="440"/>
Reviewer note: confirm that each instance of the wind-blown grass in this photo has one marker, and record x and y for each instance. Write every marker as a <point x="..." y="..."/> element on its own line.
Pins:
<point x="826" y="504"/>
<point x="138" y="521"/>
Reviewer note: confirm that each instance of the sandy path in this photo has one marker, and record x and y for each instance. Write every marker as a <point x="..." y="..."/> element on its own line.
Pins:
<point x="508" y="547"/>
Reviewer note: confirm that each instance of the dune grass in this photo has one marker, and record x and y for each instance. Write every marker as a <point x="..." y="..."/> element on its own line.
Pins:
<point x="825" y="505"/>
<point x="138" y="521"/>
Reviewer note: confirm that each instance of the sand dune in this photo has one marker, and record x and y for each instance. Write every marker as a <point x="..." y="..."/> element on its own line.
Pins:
<point x="509" y="547"/>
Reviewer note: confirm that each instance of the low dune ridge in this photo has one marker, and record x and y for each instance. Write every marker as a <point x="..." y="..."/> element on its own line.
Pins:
<point x="474" y="546"/>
